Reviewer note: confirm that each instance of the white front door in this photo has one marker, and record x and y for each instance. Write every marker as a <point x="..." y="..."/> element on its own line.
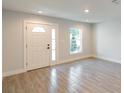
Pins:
<point x="38" y="45"/>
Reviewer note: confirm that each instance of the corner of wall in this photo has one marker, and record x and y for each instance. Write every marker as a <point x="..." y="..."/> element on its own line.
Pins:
<point x="9" y="73"/>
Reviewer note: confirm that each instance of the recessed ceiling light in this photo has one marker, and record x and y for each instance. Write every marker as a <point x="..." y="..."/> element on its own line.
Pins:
<point x="40" y="12"/>
<point x="116" y="1"/>
<point x="86" y="11"/>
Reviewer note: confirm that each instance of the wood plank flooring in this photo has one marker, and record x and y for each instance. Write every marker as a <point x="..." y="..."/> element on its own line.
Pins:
<point x="83" y="76"/>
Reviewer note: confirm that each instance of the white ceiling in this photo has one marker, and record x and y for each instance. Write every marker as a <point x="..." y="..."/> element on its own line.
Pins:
<point x="100" y="10"/>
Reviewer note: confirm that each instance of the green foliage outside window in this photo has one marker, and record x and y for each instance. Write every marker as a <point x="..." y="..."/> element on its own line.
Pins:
<point x="74" y="39"/>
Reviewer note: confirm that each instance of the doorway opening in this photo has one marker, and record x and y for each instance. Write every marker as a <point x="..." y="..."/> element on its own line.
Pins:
<point x="40" y="45"/>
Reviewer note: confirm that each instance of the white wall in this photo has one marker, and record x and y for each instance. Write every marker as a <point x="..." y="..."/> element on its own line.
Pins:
<point x="107" y="40"/>
<point x="13" y="38"/>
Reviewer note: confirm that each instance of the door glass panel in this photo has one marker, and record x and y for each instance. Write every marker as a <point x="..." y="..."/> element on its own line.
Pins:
<point x="53" y="45"/>
<point x="38" y="29"/>
<point x="53" y="34"/>
<point x="53" y="55"/>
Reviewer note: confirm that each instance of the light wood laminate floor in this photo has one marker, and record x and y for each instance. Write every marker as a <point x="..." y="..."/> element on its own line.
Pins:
<point x="83" y="76"/>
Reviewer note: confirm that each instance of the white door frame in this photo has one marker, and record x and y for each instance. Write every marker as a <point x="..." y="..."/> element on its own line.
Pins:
<point x="25" y="40"/>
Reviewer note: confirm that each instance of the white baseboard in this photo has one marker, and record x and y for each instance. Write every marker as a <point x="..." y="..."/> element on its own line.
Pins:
<point x="74" y="59"/>
<point x="5" y="74"/>
<point x="9" y="73"/>
<point x="107" y="59"/>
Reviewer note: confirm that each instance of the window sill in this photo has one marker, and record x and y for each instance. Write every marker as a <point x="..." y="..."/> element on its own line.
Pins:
<point x="75" y="53"/>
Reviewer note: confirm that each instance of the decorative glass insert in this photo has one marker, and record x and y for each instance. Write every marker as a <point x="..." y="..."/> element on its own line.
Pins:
<point x="53" y="55"/>
<point x="38" y="29"/>
<point x="53" y="34"/>
<point x="75" y="40"/>
<point x="53" y="45"/>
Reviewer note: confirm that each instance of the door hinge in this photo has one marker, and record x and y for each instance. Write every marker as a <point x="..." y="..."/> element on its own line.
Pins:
<point x="26" y="27"/>
<point x="26" y="45"/>
<point x="26" y="64"/>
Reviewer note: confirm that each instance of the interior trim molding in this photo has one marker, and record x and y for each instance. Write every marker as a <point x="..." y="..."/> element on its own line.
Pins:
<point x="18" y="71"/>
<point x="10" y="73"/>
<point x="107" y="59"/>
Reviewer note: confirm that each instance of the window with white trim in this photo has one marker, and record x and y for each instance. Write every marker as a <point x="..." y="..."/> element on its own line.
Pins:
<point x="75" y="40"/>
